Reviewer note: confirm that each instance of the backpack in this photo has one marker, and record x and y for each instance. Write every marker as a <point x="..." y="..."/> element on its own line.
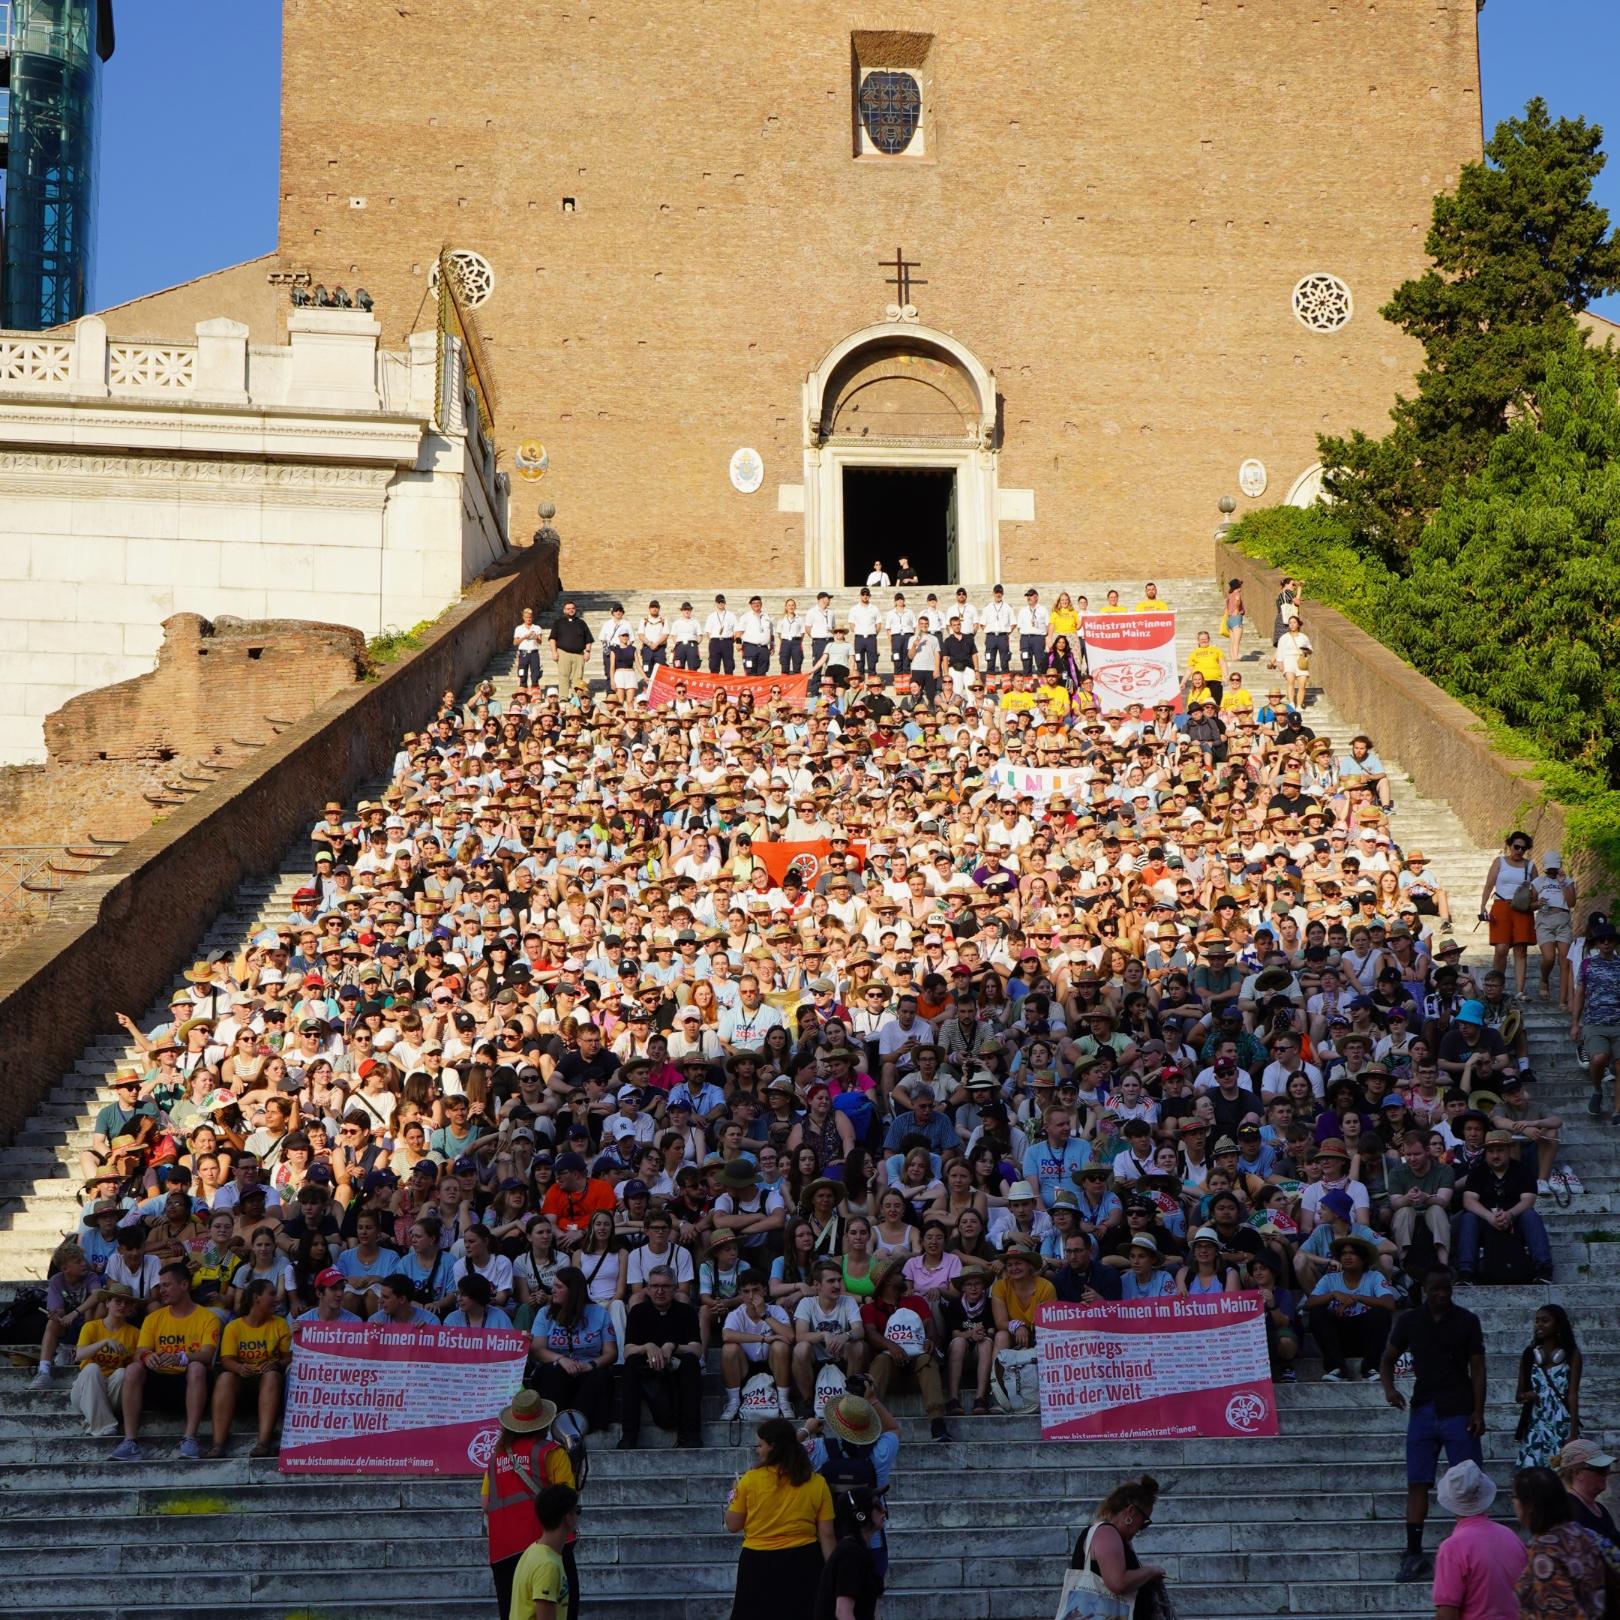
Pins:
<point x="758" y="1398"/>
<point x="829" y="1386"/>
<point x="23" y="1320"/>
<point x="569" y="1429"/>
<point x="848" y="1468"/>
<point x="1015" y="1383"/>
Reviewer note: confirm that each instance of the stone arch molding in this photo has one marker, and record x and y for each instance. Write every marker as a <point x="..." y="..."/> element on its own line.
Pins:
<point x="902" y="395"/>
<point x="844" y="362"/>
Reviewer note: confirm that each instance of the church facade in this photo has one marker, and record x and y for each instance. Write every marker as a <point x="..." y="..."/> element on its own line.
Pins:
<point x="1020" y="290"/>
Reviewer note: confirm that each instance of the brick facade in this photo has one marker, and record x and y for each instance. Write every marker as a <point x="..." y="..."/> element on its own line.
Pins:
<point x="1114" y="207"/>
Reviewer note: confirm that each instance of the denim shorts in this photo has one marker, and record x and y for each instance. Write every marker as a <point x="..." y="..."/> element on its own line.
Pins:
<point x="1427" y="1433"/>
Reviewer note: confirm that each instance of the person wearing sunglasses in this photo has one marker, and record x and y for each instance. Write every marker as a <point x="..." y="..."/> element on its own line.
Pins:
<point x="1105" y="1564"/>
<point x="1508" y="904"/>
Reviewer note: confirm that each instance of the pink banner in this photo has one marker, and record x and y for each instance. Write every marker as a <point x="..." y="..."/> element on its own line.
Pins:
<point x="397" y="1400"/>
<point x="791" y="689"/>
<point x="1132" y="658"/>
<point x="1156" y="1369"/>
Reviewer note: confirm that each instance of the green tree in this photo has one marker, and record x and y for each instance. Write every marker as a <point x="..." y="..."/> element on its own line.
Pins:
<point x="1512" y="597"/>
<point x="1518" y="249"/>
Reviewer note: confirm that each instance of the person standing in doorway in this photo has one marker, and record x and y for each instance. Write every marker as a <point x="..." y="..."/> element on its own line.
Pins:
<point x="1447" y="1408"/>
<point x="905" y="574"/>
<point x="571" y="639"/>
<point x="878" y="579"/>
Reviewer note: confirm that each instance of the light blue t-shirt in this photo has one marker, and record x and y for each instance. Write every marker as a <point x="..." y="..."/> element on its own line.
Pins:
<point x="584" y="1340"/>
<point x="883" y="1453"/>
<point x="1370" y="1286"/>
<point x="351" y="1265"/>
<point x="1323" y="1238"/>
<point x="1155" y="1286"/>
<point x="494" y="1317"/>
<point x="315" y="1316"/>
<point x="1046" y="1168"/>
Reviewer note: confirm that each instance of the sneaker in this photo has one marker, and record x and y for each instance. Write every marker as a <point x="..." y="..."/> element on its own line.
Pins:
<point x="1594" y="1105"/>
<point x="1463" y="1279"/>
<point x="1544" y="1274"/>
<point x="41" y="1381"/>
<point x="128" y="1451"/>
<point x="733" y="1404"/>
<point x="1543" y="1187"/>
<point x="1412" y="1567"/>
<point x="953" y="1409"/>
<point x="1614" y="1118"/>
<point x="784" y="1404"/>
<point x="189" y="1449"/>
<point x="1333" y="1377"/>
<point x="1371" y="1378"/>
<point x="1289" y="1375"/>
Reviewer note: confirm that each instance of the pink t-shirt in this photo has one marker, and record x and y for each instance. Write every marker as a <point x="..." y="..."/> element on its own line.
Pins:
<point x="1475" y="1569"/>
<point x="924" y="1277"/>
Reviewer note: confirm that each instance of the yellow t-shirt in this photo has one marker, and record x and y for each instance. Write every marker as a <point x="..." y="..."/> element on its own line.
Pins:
<point x="255" y="1346"/>
<point x="539" y="1576"/>
<point x="115" y="1346"/>
<point x="779" y="1515"/>
<point x="1236" y="697"/>
<point x="1113" y="607"/>
<point x="1205" y="661"/>
<point x="1063" y="622"/>
<point x="1016" y="702"/>
<point x="1044" y="1294"/>
<point x="169" y="1334"/>
<point x="1153" y="604"/>
<point x="1056" y="699"/>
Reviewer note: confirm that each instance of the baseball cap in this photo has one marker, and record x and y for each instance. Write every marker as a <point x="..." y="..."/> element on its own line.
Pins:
<point x="331" y="1277"/>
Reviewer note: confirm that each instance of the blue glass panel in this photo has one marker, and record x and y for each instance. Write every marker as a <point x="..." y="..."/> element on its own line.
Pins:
<point x="891" y="104"/>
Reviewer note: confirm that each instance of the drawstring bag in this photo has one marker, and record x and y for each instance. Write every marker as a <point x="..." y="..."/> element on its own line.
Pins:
<point x="1015" y="1383"/>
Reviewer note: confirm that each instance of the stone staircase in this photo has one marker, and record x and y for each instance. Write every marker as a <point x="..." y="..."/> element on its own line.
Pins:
<point x="1306" y="1525"/>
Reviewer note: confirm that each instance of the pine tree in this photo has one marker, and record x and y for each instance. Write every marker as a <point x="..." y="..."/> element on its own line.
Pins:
<point x="1518" y="249"/>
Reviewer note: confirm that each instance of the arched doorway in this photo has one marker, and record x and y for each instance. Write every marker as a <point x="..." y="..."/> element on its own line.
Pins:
<point x="900" y="459"/>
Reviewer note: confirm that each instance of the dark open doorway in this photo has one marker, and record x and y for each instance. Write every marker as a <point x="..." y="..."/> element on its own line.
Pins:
<point x="894" y="512"/>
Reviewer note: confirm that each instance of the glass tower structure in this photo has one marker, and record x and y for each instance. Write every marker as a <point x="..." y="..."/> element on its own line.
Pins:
<point x="53" y="119"/>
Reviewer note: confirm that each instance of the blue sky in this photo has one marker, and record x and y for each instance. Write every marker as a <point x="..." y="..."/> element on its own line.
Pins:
<point x="189" y="123"/>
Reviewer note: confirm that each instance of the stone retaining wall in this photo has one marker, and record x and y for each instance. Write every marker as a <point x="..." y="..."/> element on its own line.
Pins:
<point x="1441" y="744"/>
<point x="113" y="944"/>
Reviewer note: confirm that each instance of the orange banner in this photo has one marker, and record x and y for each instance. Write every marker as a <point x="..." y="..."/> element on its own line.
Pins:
<point x="791" y="689"/>
<point x="809" y="859"/>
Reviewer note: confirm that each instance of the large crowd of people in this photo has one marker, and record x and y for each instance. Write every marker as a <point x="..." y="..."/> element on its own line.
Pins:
<point x="547" y="1041"/>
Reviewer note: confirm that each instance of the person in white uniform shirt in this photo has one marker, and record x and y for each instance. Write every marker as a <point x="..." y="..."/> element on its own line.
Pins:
<point x="900" y="623"/>
<point x="721" y="629"/>
<point x="966" y="612"/>
<point x="1032" y="623"/>
<point x="652" y="636"/>
<point x="997" y="624"/>
<point x="684" y="635"/>
<point x="526" y="638"/>
<point x="821" y="620"/>
<point x="864" y="619"/>
<point x="790" y="630"/>
<point x="878" y="579"/>
<point x="609" y="639"/>
<point x="754" y="627"/>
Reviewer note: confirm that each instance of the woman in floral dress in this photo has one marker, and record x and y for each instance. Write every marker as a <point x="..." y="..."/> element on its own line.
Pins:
<point x="1549" y="1388"/>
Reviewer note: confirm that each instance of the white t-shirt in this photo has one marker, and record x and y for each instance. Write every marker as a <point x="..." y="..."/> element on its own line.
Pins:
<point x="843" y="1316"/>
<point x="739" y="1321"/>
<point x="643" y="1260"/>
<point x="496" y="1271"/>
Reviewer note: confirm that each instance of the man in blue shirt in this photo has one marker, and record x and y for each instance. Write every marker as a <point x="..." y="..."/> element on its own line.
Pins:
<point x="1054" y="1163"/>
<point x="924" y="1120"/>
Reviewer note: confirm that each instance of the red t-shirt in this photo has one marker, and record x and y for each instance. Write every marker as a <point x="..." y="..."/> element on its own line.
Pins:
<point x="571" y="1212"/>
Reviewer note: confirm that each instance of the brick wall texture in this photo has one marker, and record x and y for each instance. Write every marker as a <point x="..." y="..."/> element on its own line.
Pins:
<point x="1116" y="203"/>
<point x="115" y="939"/>
<point x="121" y="756"/>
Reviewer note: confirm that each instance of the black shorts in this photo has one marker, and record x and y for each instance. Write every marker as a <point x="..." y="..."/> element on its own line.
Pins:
<point x="165" y="1392"/>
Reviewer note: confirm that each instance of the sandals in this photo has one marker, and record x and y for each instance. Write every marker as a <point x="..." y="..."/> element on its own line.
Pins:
<point x="953" y="1409"/>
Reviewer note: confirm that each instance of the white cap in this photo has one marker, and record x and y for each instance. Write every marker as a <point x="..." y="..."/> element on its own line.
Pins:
<point x="1553" y="859"/>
